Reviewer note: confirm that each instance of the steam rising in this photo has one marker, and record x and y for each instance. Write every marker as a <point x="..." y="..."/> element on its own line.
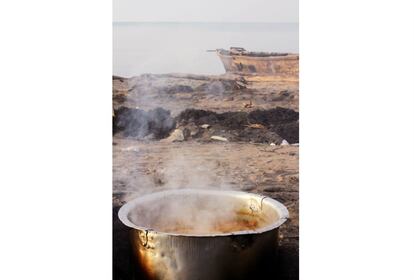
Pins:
<point x="201" y="213"/>
<point x="146" y="117"/>
<point x="150" y="118"/>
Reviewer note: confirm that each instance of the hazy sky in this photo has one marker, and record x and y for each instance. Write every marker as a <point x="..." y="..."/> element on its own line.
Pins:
<point x="206" y="10"/>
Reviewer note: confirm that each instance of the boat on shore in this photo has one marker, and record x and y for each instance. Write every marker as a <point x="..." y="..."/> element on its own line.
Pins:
<point x="239" y="61"/>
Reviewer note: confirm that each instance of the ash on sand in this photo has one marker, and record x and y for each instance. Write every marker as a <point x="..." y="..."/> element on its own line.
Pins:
<point x="258" y="126"/>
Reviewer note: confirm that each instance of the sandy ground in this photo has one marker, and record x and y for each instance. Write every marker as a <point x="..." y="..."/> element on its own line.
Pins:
<point x="213" y="93"/>
<point x="146" y="166"/>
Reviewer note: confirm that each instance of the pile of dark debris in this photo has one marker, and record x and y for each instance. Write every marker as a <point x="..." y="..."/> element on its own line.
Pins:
<point x="275" y="125"/>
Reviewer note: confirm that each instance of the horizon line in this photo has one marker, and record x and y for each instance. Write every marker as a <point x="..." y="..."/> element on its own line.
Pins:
<point x="133" y="21"/>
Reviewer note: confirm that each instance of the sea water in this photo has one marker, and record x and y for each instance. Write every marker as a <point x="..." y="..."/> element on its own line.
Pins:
<point x="182" y="47"/>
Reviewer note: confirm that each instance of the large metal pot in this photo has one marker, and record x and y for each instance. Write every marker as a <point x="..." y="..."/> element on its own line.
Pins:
<point x="194" y="234"/>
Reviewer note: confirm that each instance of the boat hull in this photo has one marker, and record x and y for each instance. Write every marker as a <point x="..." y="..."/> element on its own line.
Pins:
<point x="287" y="65"/>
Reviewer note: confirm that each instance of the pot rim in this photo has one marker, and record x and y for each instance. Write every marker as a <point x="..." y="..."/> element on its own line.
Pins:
<point x="279" y="207"/>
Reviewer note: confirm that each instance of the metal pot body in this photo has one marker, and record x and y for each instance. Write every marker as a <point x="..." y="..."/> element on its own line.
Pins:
<point x="167" y="257"/>
<point x="203" y="256"/>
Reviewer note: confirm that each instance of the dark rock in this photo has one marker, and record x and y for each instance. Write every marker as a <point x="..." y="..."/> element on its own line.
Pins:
<point x="285" y="93"/>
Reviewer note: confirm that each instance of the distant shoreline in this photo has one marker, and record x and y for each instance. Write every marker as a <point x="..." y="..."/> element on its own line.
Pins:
<point x="198" y="22"/>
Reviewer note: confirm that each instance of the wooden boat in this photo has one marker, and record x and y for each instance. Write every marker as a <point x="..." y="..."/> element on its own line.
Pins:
<point x="240" y="61"/>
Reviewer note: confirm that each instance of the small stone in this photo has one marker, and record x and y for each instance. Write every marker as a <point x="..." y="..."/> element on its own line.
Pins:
<point x="219" y="138"/>
<point x="176" y="136"/>
<point x="272" y="144"/>
<point x="284" y="143"/>
<point x="131" y="149"/>
<point x="205" y="126"/>
<point x="285" y="93"/>
<point x="194" y="132"/>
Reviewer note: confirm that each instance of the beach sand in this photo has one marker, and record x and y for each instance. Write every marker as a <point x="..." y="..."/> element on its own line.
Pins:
<point x="147" y="165"/>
